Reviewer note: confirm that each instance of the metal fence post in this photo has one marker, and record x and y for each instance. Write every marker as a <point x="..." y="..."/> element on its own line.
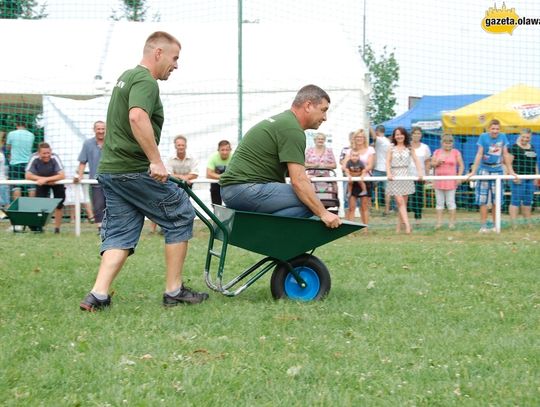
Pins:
<point x="78" y="190"/>
<point x="498" y="205"/>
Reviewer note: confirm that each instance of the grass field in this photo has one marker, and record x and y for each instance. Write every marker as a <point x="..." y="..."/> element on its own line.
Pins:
<point x="435" y="319"/>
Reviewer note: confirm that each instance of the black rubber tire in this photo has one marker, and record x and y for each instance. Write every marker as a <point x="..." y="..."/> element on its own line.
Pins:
<point x="305" y="263"/>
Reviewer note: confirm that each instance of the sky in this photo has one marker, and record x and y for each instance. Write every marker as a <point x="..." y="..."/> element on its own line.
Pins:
<point x="439" y="45"/>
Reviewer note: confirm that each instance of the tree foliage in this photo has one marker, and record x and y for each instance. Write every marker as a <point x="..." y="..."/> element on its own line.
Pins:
<point x="25" y="9"/>
<point x="133" y="10"/>
<point x="384" y="76"/>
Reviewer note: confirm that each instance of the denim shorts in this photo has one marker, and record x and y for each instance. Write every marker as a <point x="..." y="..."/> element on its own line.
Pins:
<point x="522" y="193"/>
<point x="485" y="189"/>
<point x="131" y="197"/>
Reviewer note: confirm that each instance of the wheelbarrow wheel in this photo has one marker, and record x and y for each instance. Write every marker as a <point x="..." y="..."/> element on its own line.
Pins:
<point x="283" y="283"/>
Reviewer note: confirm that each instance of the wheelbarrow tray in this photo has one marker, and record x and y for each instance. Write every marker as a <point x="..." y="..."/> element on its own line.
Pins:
<point x="283" y="240"/>
<point x="280" y="237"/>
<point x="25" y="211"/>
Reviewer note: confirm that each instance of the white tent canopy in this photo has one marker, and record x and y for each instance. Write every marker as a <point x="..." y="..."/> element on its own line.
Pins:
<point x="63" y="58"/>
<point x="67" y="62"/>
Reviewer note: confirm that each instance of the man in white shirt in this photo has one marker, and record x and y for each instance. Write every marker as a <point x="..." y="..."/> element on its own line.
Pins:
<point x="381" y="145"/>
<point x="183" y="166"/>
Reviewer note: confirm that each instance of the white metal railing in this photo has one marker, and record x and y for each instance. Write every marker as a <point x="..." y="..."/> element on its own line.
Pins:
<point x="498" y="188"/>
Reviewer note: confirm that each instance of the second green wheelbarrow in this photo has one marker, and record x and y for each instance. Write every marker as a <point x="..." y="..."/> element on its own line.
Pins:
<point x="287" y="244"/>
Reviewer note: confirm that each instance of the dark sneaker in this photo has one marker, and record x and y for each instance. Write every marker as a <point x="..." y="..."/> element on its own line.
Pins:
<point x="185" y="296"/>
<point x="92" y="304"/>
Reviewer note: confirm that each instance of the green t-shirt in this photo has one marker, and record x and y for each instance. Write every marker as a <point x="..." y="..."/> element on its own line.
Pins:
<point x="217" y="164"/>
<point x="121" y="153"/>
<point x="265" y="150"/>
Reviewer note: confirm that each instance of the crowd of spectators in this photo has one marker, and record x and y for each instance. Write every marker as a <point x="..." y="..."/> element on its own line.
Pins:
<point x="404" y="154"/>
<point x="401" y="154"/>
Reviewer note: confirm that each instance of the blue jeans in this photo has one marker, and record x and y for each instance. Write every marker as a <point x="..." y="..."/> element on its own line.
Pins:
<point x="131" y="197"/>
<point x="274" y="197"/>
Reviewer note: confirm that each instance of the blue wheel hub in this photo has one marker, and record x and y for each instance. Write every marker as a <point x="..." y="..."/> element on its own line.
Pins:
<point x="295" y="292"/>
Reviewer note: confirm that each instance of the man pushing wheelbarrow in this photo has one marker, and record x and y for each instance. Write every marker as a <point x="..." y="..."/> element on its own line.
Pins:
<point x="136" y="185"/>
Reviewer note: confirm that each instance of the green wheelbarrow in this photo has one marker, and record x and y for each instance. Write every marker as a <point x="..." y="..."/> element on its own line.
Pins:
<point x="31" y="212"/>
<point x="287" y="244"/>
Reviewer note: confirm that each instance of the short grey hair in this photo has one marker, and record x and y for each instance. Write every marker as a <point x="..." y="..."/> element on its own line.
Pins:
<point x="311" y="93"/>
<point x="180" y="137"/>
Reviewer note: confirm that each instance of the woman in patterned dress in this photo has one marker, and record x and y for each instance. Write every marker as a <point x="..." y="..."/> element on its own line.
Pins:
<point x="399" y="157"/>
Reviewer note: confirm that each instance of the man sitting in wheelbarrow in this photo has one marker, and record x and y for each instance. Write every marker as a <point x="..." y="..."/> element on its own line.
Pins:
<point x="255" y="178"/>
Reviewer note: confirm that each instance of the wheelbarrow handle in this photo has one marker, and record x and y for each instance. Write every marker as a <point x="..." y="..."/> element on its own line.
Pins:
<point x="185" y="186"/>
<point x="219" y="224"/>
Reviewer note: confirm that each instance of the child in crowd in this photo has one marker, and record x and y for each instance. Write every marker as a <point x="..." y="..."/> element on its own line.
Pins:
<point x="492" y="158"/>
<point x="354" y="167"/>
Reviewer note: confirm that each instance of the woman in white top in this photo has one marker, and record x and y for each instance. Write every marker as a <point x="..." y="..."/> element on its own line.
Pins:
<point x="360" y="144"/>
<point x="416" y="200"/>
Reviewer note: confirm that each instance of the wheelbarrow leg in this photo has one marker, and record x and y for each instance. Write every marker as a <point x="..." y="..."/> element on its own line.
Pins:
<point x="301" y="282"/>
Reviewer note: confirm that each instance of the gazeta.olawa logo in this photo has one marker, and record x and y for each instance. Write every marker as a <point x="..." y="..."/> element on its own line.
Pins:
<point x="504" y="20"/>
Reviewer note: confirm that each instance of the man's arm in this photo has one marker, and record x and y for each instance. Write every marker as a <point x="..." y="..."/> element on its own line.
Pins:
<point x="44" y="180"/>
<point x="191" y="175"/>
<point x="186" y="177"/>
<point x="211" y="174"/>
<point x="144" y="134"/>
<point x="304" y="190"/>
<point x="53" y="178"/>
<point x="80" y="172"/>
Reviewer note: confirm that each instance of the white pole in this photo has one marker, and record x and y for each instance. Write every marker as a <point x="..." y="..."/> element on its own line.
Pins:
<point x="78" y="191"/>
<point x="498" y="200"/>
<point x="340" y="191"/>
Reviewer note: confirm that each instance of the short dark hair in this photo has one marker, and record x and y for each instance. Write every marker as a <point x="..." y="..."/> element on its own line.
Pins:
<point x="380" y="128"/>
<point x="416" y="128"/>
<point x="311" y="93"/>
<point x="223" y="143"/>
<point x="494" y="121"/>
<point x="43" y="145"/>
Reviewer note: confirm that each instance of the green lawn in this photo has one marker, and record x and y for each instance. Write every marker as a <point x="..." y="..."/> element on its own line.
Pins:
<point x="434" y="319"/>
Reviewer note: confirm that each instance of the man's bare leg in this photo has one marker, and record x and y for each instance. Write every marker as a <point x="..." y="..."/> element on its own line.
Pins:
<point x="111" y="264"/>
<point x="58" y="213"/>
<point x="175" y="255"/>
